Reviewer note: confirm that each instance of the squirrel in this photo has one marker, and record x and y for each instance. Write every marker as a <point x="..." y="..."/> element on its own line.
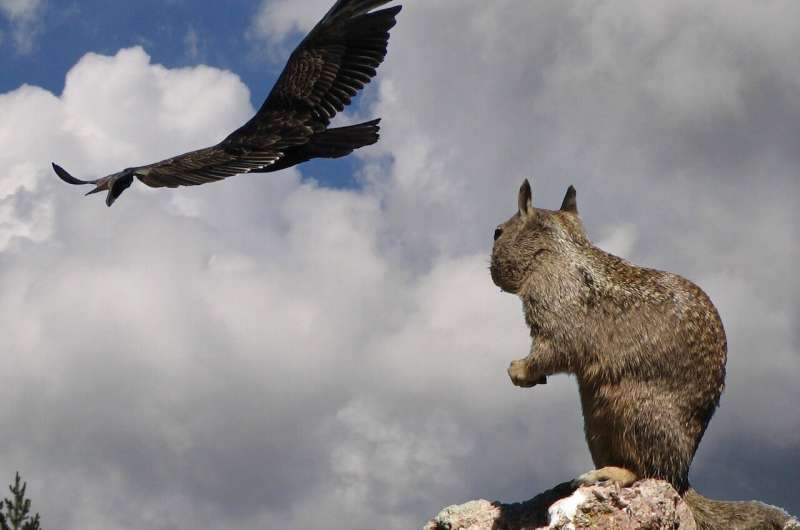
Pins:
<point x="647" y="347"/>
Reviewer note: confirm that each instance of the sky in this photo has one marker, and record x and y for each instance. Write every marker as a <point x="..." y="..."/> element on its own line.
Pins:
<point x="323" y="347"/>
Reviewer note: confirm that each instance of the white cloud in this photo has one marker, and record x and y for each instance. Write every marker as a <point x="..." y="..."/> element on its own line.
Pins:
<point x="265" y="353"/>
<point x="191" y="40"/>
<point x="277" y="19"/>
<point x="380" y="463"/>
<point x="19" y="9"/>
<point x="113" y="104"/>
<point x="619" y="240"/>
<point x="23" y="14"/>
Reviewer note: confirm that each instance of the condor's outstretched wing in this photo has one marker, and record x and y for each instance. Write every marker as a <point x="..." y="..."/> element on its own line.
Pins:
<point x="229" y="157"/>
<point x="204" y="165"/>
<point x="334" y="61"/>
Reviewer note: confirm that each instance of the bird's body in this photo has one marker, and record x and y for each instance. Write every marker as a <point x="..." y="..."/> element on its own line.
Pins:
<point x="334" y="61"/>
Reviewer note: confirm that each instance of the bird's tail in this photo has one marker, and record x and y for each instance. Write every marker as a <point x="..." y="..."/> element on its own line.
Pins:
<point x="333" y="143"/>
<point x="736" y="515"/>
<point x="330" y="143"/>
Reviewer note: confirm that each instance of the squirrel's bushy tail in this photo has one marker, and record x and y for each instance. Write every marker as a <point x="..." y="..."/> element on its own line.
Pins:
<point x="737" y="515"/>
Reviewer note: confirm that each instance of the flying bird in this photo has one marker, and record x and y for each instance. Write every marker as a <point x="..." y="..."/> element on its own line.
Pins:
<point x="335" y="60"/>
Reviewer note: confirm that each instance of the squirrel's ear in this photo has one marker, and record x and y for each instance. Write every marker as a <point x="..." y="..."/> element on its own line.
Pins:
<point x="525" y="199"/>
<point x="570" y="203"/>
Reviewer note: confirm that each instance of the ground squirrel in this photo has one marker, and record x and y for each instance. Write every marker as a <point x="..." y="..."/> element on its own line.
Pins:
<point x="647" y="347"/>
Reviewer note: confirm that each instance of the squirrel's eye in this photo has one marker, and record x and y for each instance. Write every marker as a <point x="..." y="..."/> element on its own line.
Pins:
<point x="497" y="233"/>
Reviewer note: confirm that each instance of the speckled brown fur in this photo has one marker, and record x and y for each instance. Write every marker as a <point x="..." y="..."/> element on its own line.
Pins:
<point x="647" y="347"/>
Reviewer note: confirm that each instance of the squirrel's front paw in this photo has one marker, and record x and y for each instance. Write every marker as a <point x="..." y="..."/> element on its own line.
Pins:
<point x="521" y="374"/>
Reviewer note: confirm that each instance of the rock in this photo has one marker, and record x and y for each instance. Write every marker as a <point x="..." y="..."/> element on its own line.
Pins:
<point x="474" y="515"/>
<point x="651" y="504"/>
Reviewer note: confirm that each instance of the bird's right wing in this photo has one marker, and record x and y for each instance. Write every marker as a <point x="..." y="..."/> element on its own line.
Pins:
<point x="334" y="61"/>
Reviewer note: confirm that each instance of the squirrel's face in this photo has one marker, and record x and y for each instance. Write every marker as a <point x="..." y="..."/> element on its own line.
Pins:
<point x="532" y="238"/>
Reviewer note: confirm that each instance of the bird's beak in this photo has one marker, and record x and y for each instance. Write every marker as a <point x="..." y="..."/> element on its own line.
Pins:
<point x="98" y="189"/>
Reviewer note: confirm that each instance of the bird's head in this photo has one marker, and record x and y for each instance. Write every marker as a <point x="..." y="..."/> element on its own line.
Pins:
<point x="115" y="183"/>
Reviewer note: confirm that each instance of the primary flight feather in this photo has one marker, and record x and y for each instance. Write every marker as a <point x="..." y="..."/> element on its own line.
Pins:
<point x="334" y="61"/>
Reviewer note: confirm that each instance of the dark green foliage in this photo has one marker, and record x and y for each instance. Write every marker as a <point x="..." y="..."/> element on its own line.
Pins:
<point x="15" y="511"/>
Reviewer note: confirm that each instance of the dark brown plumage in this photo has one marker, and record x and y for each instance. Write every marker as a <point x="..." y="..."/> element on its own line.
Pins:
<point x="334" y="61"/>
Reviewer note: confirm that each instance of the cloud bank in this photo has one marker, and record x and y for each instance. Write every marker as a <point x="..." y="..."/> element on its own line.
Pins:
<point x="268" y="353"/>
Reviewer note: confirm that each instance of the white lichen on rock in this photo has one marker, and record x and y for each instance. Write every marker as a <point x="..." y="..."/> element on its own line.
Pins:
<point x="562" y="513"/>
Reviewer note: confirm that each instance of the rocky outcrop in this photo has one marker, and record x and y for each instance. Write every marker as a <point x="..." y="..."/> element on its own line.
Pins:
<point x="651" y="504"/>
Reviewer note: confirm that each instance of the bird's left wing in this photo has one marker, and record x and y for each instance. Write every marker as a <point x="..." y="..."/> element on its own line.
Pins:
<point x="234" y="155"/>
<point x="206" y="165"/>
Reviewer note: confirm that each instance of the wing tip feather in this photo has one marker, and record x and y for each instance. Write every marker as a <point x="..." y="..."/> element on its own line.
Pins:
<point x="66" y="177"/>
